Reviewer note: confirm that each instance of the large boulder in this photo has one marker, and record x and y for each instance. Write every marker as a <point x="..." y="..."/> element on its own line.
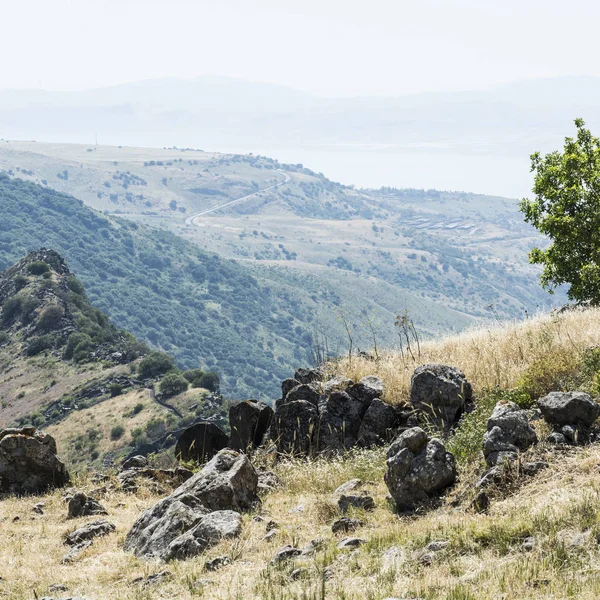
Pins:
<point x="308" y="375"/>
<point x="228" y="483"/>
<point x="417" y="468"/>
<point x="380" y="423"/>
<point x="249" y="421"/>
<point x="441" y="392"/>
<point x="200" y="442"/>
<point x="294" y="425"/>
<point x="340" y="418"/>
<point x="508" y="433"/>
<point x="28" y="462"/>
<point x="367" y="389"/>
<point x="569" y="408"/>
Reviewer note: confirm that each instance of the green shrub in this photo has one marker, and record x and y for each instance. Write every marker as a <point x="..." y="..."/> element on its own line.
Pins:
<point x="467" y="440"/>
<point x="50" y="317"/>
<point x="4" y="338"/>
<point x="78" y="343"/>
<point x="116" y="390"/>
<point x="138" y="408"/>
<point x="155" y="428"/>
<point x="75" y="285"/>
<point x="552" y="372"/>
<point x="38" y="267"/>
<point x="210" y="381"/>
<point x="173" y="384"/>
<point x="20" y="282"/>
<point x="11" y="309"/>
<point x="194" y="376"/>
<point x="29" y="305"/>
<point x="38" y="345"/>
<point x="116" y="433"/>
<point x="155" y="364"/>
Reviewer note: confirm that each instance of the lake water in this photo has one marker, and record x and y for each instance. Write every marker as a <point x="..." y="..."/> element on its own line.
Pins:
<point x="480" y="173"/>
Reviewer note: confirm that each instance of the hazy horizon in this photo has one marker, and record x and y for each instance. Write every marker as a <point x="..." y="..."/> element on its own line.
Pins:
<point x="331" y="48"/>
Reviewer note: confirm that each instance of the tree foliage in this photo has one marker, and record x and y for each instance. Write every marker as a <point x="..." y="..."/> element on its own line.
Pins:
<point x="566" y="209"/>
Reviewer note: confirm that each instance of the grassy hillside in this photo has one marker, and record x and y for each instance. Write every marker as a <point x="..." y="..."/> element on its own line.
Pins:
<point x="253" y="326"/>
<point x="557" y="511"/>
<point x="461" y="251"/>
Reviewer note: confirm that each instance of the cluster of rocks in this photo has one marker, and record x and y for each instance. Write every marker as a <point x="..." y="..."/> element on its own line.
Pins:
<point x="28" y="462"/>
<point x="570" y="414"/>
<point x="314" y="415"/>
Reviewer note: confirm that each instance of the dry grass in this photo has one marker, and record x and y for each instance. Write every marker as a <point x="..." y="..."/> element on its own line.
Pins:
<point x="500" y="356"/>
<point x="485" y="558"/>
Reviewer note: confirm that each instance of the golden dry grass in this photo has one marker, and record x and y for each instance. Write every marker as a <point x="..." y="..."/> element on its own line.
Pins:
<point x="490" y="357"/>
<point x="485" y="558"/>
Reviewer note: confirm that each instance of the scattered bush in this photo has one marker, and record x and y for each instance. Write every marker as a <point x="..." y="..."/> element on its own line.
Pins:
<point x="155" y="428"/>
<point x="155" y="364"/>
<point x="11" y="309"/>
<point x="38" y="345"/>
<point x="173" y="384"/>
<point x="210" y="381"/>
<point x="116" y="390"/>
<point x="50" y="317"/>
<point x="38" y="267"/>
<point x="116" y="433"/>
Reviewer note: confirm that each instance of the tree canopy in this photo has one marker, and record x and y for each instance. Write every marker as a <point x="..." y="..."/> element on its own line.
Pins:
<point x="566" y="209"/>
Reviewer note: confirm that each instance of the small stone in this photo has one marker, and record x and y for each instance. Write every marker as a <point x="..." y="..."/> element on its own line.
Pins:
<point x="350" y="542"/>
<point x="528" y="544"/>
<point x="81" y="505"/>
<point x="297" y="509"/>
<point x="89" y="532"/>
<point x="271" y="525"/>
<point x="362" y="501"/>
<point x="156" y="578"/>
<point x="556" y="438"/>
<point x="533" y="468"/>
<point x="426" y="558"/>
<point x="135" y="462"/>
<point x="298" y="574"/>
<point x="312" y="547"/>
<point x="481" y="503"/>
<point x="349" y="486"/>
<point x="39" y="508"/>
<point x="217" y="563"/>
<point x="286" y="553"/>
<point x="437" y="546"/>
<point x="57" y="587"/>
<point x="270" y="535"/>
<point x="346" y="525"/>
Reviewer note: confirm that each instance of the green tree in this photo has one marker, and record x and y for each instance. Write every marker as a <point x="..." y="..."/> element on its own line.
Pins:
<point x="173" y="384"/>
<point x="566" y="209"/>
<point x="155" y="363"/>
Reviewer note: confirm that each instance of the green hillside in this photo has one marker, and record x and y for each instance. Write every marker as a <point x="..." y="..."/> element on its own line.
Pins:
<point x="204" y="310"/>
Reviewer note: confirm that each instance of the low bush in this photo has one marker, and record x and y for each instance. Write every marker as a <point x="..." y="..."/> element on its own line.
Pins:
<point x="116" y="433"/>
<point x="173" y="384"/>
<point x="155" y="364"/>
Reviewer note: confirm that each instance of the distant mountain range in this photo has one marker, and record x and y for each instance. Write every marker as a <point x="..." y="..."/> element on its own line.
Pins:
<point x="219" y="112"/>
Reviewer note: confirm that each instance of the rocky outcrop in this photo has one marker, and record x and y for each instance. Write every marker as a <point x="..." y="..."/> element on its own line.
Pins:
<point x="28" y="462"/>
<point x="249" y="422"/>
<point x="440" y="392"/>
<point x="329" y="416"/>
<point x="508" y="433"/>
<point x="187" y="521"/>
<point x="294" y="426"/>
<point x="417" y="468"/>
<point x="200" y="442"/>
<point x="571" y="414"/>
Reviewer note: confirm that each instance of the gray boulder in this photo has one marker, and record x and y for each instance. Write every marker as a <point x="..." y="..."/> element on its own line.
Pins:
<point x="81" y="505"/>
<point x="340" y="420"/>
<point x="417" y="468"/>
<point x="227" y="483"/>
<point x="211" y="529"/>
<point x="249" y="422"/>
<point x="441" y="392"/>
<point x="294" y="426"/>
<point x="200" y="442"/>
<point x="28" y="462"/>
<point x="89" y="532"/>
<point x="367" y="389"/>
<point x="379" y="423"/>
<point x="305" y="391"/>
<point x="135" y="462"/>
<point x="287" y="385"/>
<point x="309" y="375"/>
<point x="508" y="433"/>
<point x="569" y="408"/>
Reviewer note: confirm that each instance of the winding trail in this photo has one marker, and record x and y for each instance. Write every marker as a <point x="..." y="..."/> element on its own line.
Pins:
<point x="190" y="220"/>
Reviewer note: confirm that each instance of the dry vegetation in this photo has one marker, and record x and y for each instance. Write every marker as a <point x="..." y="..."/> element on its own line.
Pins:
<point x="485" y="558"/>
<point x="544" y="351"/>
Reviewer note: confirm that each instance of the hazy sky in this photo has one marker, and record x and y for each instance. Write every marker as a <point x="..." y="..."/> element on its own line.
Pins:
<point x="321" y="46"/>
